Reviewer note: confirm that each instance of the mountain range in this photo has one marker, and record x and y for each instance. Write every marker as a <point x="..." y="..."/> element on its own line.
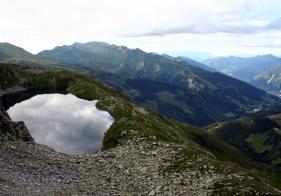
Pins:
<point x="244" y="68"/>
<point x="197" y="64"/>
<point x="261" y="71"/>
<point x="173" y="87"/>
<point x="269" y="81"/>
<point x="240" y="155"/>
<point x="196" y="55"/>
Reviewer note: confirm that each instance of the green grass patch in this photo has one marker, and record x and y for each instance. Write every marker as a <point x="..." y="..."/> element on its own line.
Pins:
<point x="257" y="142"/>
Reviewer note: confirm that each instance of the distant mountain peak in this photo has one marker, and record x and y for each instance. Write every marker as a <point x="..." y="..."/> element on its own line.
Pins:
<point x="195" y="63"/>
<point x="267" y="55"/>
<point x="10" y="53"/>
<point x="245" y="68"/>
<point x="7" y="45"/>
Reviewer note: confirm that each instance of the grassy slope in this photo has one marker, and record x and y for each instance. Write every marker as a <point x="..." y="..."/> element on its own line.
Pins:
<point x="258" y="137"/>
<point x="174" y="102"/>
<point x="128" y="116"/>
<point x="7" y="78"/>
<point x="13" y="54"/>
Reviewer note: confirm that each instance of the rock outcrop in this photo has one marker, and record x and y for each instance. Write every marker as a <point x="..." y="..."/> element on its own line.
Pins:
<point x="12" y="131"/>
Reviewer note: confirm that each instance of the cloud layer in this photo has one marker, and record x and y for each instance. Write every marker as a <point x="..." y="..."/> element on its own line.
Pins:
<point x="37" y="25"/>
<point x="64" y="122"/>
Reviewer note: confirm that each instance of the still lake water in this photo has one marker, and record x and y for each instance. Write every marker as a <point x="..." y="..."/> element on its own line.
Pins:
<point x="63" y="122"/>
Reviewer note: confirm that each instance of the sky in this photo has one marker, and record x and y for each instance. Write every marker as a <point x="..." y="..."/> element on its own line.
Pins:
<point x="220" y="27"/>
<point x="67" y="124"/>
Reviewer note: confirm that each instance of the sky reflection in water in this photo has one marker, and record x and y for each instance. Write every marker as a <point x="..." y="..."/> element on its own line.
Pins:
<point x="63" y="122"/>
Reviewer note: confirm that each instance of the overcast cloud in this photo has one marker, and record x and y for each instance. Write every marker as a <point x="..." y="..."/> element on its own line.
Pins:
<point x="63" y="122"/>
<point x="148" y="24"/>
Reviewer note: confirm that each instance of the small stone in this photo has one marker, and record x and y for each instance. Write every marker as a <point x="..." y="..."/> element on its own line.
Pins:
<point x="120" y="166"/>
<point x="126" y="171"/>
<point x="13" y="147"/>
<point x="158" y="188"/>
<point x="151" y="193"/>
<point x="143" y="169"/>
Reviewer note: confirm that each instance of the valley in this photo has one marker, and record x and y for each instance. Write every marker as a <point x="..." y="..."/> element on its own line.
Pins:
<point x="196" y="96"/>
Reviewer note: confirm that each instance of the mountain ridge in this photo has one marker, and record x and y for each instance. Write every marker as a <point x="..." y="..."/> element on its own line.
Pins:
<point x="167" y="86"/>
<point x="12" y="54"/>
<point x="244" y="68"/>
<point x="194" y="85"/>
<point x="269" y="81"/>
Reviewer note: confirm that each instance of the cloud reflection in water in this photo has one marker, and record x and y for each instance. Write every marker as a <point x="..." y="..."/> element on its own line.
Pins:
<point x="63" y="122"/>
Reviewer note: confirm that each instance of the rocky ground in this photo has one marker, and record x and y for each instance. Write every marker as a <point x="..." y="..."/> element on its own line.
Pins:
<point x="138" y="166"/>
<point x="135" y="166"/>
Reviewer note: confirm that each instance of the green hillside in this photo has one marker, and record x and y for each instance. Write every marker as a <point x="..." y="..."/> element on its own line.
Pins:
<point x="259" y="137"/>
<point x="199" y="144"/>
<point x="13" y="54"/>
<point x="168" y="86"/>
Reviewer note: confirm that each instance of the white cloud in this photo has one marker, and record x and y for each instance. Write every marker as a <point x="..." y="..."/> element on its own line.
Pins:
<point x="63" y="122"/>
<point x="37" y="24"/>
